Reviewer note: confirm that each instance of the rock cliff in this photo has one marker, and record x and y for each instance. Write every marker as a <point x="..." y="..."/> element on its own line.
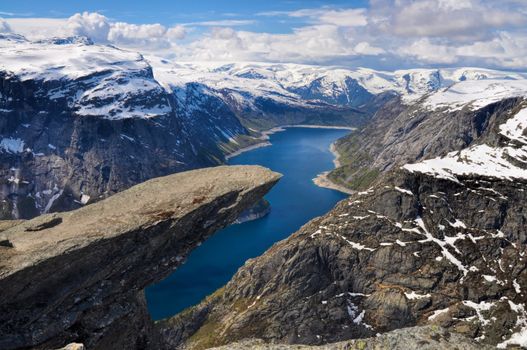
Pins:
<point x="82" y="122"/>
<point x="79" y="276"/>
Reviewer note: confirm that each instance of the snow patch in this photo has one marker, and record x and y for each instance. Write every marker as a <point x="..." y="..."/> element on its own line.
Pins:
<point x="413" y="295"/>
<point x="437" y="313"/>
<point x="12" y="145"/>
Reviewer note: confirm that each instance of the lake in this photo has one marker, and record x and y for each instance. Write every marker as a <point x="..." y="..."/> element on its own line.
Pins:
<point x="300" y="154"/>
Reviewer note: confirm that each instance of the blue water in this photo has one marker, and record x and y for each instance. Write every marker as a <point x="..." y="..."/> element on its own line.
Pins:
<point x="299" y="154"/>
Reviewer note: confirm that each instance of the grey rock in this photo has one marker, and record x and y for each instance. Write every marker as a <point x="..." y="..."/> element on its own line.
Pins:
<point x="413" y="338"/>
<point x="79" y="276"/>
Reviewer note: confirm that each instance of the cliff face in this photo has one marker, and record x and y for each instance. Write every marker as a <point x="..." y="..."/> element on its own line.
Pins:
<point x="79" y="276"/>
<point x="414" y="251"/>
<point x="398" y="134"/>
<point x="441" y="241"/>
<point x="75" y="133"/>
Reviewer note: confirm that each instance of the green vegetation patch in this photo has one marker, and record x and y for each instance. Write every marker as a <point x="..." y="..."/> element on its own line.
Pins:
<point x="355" y="172"/>
<point x="354" y="179"/>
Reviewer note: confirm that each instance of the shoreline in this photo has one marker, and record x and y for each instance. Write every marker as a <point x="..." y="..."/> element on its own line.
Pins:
<point x="264" y="142"/>
<point x="333" y="150"/>
<point x="265" y="137"/>
<point x="322" y="179"/>
<point x="247" y="149"/>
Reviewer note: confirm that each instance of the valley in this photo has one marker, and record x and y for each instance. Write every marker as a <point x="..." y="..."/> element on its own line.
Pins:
<point x="299" y="154"/>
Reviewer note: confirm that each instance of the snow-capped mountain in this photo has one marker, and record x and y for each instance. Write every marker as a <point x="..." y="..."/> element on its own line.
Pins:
<point x="301" y="83"/>
<point x="92" y="80"/>
<point x="79" y="121"/>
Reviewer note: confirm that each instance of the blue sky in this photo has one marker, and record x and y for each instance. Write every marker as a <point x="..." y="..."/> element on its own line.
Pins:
<point x="178" y="12"/>
<point x="382" y="34"/>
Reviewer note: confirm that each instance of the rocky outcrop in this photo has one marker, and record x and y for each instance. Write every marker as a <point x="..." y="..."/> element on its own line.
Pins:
<point x="79" y="276"/>
<point x="257" y="211"/>
<point x="414" y="338"/>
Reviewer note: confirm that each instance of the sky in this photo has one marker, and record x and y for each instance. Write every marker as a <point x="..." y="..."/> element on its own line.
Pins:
<point x="380" y="34"/>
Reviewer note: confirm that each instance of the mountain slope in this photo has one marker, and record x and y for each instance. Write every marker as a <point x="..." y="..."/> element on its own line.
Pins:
<point x="435" y="124"/>
<point x="440" y="240"/>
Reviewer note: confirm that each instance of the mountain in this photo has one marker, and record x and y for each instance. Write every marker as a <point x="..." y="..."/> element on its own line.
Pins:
<point x="331" y="84"/>
<point x="433" y="236"/>
<point x="400" y="132"/>
<point x="80" y="121"/>
<point x="258" y="98"/>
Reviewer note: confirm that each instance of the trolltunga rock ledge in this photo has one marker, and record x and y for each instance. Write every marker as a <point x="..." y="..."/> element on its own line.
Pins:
<point x="80" y="276"/>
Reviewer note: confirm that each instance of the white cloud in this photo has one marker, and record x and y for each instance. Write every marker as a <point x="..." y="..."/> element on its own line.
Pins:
<point x="389" y="32"/>
<point x="417" y="32"/>
<point x="426" y="51"/>
<point x="321" y="43"/>
<point x="176" y="33"/>
<point x="365" y="48"/>
<point x="462" y="20"/>
<point x="343" y="18"/>
<point x="505" y="50"/>
<point x="455" y="4"/>
<point x="101" y="30"/>
<point x="38" y="28"/>
<point x="92" y="25"/>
